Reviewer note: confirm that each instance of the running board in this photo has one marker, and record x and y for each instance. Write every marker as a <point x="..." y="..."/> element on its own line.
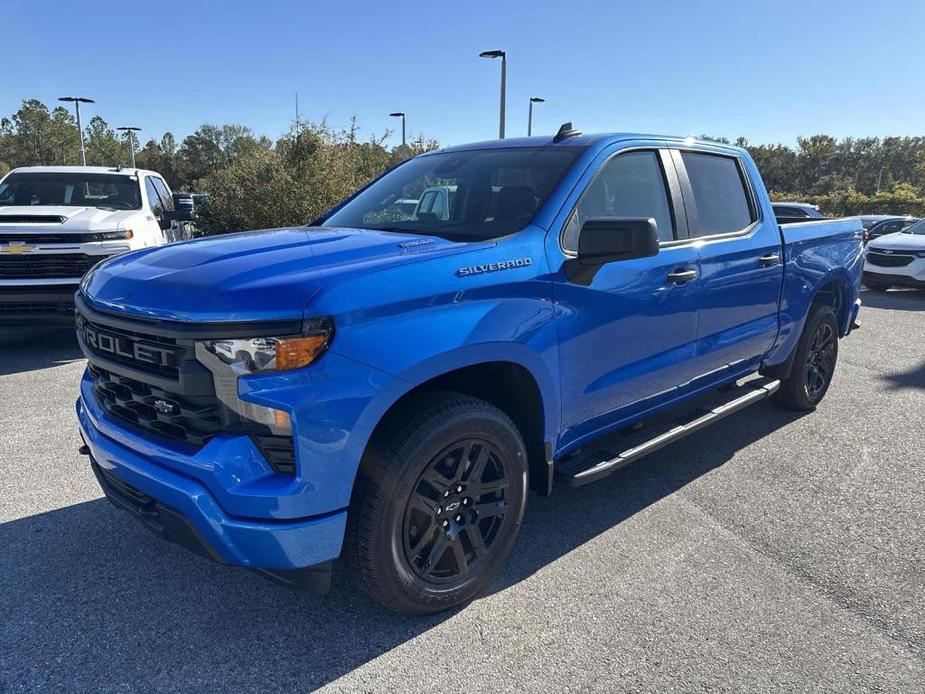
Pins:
<point x="594" y="465"/>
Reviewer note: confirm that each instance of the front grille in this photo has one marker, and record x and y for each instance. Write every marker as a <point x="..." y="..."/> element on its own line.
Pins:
<point x="183" y="407"/>
<point x="46" y="266"/>
<point x="36" y="307"/>
<point x="888" y="260"/>
<point x="40" y="237"/>
<point x="31" y="219"/>
<point x="139" y="350"/>
<point x="143" y="405"/>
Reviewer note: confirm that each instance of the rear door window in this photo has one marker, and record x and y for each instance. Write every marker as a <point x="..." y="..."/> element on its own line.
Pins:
<point x="721" y="197"/>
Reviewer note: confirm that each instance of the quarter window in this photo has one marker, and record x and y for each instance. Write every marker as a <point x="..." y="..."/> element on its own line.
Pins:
<point x="722" y="201"/>
<point x="627" y="185"/>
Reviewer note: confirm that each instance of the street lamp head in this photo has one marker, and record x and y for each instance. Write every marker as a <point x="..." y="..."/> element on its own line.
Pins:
<point x="397" y="114"/>
<point x="492" y="54"/>
<point x="537" y="100"/>
<point x="78" y="99"/>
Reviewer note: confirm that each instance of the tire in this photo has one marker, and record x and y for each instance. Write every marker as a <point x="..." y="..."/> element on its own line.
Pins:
<point x="438" y="503"/>
<point x="875" y="286"/>
<point x="814" y="362"/>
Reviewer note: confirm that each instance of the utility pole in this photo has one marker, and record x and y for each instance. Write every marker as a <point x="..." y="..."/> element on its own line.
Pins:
<point x="130" y="131"/>
<point x="77" y="101"/>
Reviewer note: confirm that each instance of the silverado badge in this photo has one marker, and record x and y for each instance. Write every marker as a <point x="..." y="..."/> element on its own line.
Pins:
<point x="494" y="267"/>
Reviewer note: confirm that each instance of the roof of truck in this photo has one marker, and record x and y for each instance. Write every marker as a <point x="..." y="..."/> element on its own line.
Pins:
<point x="112" y="170"/>
<point x="581" y="140"/>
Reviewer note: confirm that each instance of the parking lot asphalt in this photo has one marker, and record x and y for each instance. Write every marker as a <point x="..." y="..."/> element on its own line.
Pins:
<point x="776" y="551"/>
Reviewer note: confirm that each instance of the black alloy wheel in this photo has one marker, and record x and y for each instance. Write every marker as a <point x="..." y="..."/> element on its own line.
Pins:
<point x="455" y="512"/>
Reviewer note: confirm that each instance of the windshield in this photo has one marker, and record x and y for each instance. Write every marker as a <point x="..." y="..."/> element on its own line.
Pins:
<point x="463" y="196"/>
<point x="76" y="189"/>
<point x="918" y="228"/>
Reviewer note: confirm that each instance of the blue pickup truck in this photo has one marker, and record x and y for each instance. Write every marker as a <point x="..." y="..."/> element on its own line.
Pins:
<point x="385" y="387"/>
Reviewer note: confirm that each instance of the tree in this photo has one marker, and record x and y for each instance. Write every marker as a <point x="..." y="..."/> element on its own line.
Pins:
<point x="102" y="145"/>
<point x="35" y="135"/>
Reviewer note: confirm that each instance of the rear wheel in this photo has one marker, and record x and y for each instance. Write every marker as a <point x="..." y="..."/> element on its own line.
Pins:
<point x="438" y="503"/>
<point x="814" y="362"/>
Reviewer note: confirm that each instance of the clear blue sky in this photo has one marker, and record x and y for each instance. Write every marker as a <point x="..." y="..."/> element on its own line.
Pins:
<point x="768" y="70"/>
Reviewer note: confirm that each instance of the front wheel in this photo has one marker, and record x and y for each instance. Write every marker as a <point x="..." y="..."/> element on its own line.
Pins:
<point x="814" y="362"/>
<point x="438" y="503"/>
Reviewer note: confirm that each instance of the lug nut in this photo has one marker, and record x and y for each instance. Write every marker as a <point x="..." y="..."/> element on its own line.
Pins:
<point x="446" y="523"/>
<point x="467" y="501"/>
<point x="439" y="510"/>
<point x="459" y="518"/>
<point x="458" y="488"/>
<point x="446" y="493"/>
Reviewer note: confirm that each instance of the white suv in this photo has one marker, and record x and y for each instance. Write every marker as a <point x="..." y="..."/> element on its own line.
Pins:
<point x="896" y="260"/>
<point x="56" y="222"/>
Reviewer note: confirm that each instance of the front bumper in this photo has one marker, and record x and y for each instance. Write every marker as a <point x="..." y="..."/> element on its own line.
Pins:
<point x="894" y="279"/>
<point x="31" y="304"/>
<point x="911" y="275"/>
<point x="182" y="510"/>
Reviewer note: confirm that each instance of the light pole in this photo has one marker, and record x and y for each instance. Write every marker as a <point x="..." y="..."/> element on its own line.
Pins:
<point x="503" y="56"/>
<point x="130" y="131"/>
<point x="533" y="100"/>
<point x="400" y="114"/>
<point x="77" y="101"/>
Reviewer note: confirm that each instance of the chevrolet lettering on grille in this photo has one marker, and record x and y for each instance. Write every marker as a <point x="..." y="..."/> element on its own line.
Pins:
<point x="120" y="346"/>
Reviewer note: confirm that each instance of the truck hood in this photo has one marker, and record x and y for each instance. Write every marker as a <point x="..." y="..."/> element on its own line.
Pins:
<point x="899" y="242"/>
<point x="250" y="276"/>
<point x="62" y="218"/>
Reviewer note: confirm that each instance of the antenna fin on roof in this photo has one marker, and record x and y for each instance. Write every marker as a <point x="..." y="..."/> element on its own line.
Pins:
<point x="565" y="132"/>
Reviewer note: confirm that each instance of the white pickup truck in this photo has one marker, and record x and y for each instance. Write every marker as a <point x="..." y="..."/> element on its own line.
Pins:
<point x="56" y="222"/>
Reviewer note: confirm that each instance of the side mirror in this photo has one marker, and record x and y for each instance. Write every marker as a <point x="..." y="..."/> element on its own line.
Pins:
<point x="168" y="217"/>
<point x="607" y="239"/>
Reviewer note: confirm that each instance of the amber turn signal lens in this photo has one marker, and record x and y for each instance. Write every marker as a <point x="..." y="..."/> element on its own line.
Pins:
<point x="296" y="352"/>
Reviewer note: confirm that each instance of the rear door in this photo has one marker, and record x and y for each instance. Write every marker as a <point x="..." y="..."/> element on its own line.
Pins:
<point x="741" y="266"/>
<point x="627" y="330"/>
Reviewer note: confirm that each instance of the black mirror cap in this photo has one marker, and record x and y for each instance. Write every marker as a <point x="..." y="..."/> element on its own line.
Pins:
<point x="608" y="239"/>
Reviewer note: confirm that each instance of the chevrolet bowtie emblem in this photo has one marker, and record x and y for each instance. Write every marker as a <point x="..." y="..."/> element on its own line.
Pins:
<point x="17" y="247"/>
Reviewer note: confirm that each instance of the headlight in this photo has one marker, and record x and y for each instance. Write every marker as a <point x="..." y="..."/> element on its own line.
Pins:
<point x="255" y="354"/>
<point x="122" y="235"/>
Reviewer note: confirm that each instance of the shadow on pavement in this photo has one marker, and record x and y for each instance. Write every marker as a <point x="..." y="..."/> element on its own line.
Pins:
<point x="895" y="299"/>
<point x="90" y="601"/>
<point x="911" y="378"/>
<point x="29" y="349"/>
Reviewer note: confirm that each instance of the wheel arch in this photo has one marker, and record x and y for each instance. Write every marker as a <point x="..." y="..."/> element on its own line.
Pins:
<point x="523" y="391"/>
<point x="834" y="290"/>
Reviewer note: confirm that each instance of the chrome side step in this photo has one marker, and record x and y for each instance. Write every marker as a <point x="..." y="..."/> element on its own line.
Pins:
<point x="589" y="467"/>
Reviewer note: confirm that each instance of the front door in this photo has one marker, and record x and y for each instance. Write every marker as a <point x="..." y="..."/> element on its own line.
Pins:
<point x="627" y="330"/>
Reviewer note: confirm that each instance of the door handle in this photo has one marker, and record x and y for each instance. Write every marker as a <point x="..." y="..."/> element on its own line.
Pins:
<point x="681" y="276"/>
<point x="769" y="260"/>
